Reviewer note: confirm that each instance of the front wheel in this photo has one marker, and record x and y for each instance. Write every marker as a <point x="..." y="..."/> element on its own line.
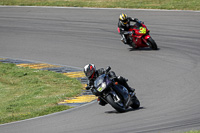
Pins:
<point x="116" y="105"/>
<point x="152" y="43"/>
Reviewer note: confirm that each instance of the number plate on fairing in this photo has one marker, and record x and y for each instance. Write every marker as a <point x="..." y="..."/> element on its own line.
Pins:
<point x="142" y="30"/>
<point x="100" y="89"/>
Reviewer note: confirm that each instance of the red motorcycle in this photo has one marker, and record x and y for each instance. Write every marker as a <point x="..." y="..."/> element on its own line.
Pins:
<point x="138" y="36"/>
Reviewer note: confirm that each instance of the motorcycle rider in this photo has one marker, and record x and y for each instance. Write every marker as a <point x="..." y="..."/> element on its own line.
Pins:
<point x="91" y="73"/>
<point x="124" y="25"/>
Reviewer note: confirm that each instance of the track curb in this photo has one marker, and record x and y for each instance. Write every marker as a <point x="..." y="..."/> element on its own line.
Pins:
<point x="85" y="97"/>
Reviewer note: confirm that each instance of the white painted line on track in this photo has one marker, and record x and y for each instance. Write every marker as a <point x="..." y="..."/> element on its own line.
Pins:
<point x="91" y="8"/>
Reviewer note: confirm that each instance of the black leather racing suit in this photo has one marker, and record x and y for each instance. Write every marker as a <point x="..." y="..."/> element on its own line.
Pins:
<point x="125" y="27"/>
<point x="112" y="75"/>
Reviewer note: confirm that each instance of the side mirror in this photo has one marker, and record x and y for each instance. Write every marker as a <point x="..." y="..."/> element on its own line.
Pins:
<point x="108" y="69"/>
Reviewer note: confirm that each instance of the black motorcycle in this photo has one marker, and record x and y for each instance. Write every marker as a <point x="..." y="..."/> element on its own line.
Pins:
<point x="115" y="94"/>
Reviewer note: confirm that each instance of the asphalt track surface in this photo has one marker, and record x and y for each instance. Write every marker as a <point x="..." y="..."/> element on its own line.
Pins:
<point x="167" y="81"/>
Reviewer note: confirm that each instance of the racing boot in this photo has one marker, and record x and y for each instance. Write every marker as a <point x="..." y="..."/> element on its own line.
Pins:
<point x="130" y="89"/>
<point x="123" y="82"/>
<point x="123" y="39"/>
<point x="131" y="43"/>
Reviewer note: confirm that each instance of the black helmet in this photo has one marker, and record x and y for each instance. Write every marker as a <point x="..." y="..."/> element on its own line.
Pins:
<point x="123" y="18"/>
<point x="89" y="70"/>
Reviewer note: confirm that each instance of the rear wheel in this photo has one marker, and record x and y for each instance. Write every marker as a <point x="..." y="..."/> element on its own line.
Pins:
<point x="116" y="105"/>
<point x="152" y="43"/>
<point x="136" y="103"/>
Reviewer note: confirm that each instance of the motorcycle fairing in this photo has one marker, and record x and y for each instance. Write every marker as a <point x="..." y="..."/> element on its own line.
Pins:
<point x="101" y="83"/>
<point x="122" y="92"/>
<point x="147" y="37"/>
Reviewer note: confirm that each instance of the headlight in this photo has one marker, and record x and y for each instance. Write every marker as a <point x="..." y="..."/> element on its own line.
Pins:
<point x="102" y="87"/>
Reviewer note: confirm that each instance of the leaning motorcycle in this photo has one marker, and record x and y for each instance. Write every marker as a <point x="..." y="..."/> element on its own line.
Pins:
<point x="115" y="94"/>
<point x="138" y="36"/>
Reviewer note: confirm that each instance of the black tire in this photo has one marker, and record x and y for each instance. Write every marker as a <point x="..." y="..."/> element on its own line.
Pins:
<point x="136" y="103"/>
<point x="115" y="105"/>
<point x="152" y="44"/>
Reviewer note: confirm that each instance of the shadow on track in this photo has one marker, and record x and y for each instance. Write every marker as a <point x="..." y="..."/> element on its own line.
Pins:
<point x="142" y="49"/>
<point x="128" y="110"/>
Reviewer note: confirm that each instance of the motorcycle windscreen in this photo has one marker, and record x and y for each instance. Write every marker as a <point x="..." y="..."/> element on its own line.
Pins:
<point x="99" y="80"/>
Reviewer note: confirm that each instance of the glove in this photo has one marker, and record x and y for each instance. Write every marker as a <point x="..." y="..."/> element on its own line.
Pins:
<point x="94" y="91"/>
<point x="87" y="87"/>
<point x="136" y="20"/>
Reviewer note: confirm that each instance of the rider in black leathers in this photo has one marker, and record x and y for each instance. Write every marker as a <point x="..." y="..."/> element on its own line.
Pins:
<point x="91" y="73"/>
<point x="124" y="25"/>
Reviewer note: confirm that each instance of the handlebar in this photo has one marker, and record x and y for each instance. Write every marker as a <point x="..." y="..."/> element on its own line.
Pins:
<point x="108" y="69"/>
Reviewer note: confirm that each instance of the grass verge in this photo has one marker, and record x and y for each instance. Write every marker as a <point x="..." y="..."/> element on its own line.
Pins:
<point x="27" y="93"/>
<point x="144" y="4"/>
<point x="193" y="131"/>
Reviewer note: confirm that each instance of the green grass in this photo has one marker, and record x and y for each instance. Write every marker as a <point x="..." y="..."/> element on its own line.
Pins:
<point x="27" y="93"/>
<point x="144" y="4"/>
<point x="193" y="131"/>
